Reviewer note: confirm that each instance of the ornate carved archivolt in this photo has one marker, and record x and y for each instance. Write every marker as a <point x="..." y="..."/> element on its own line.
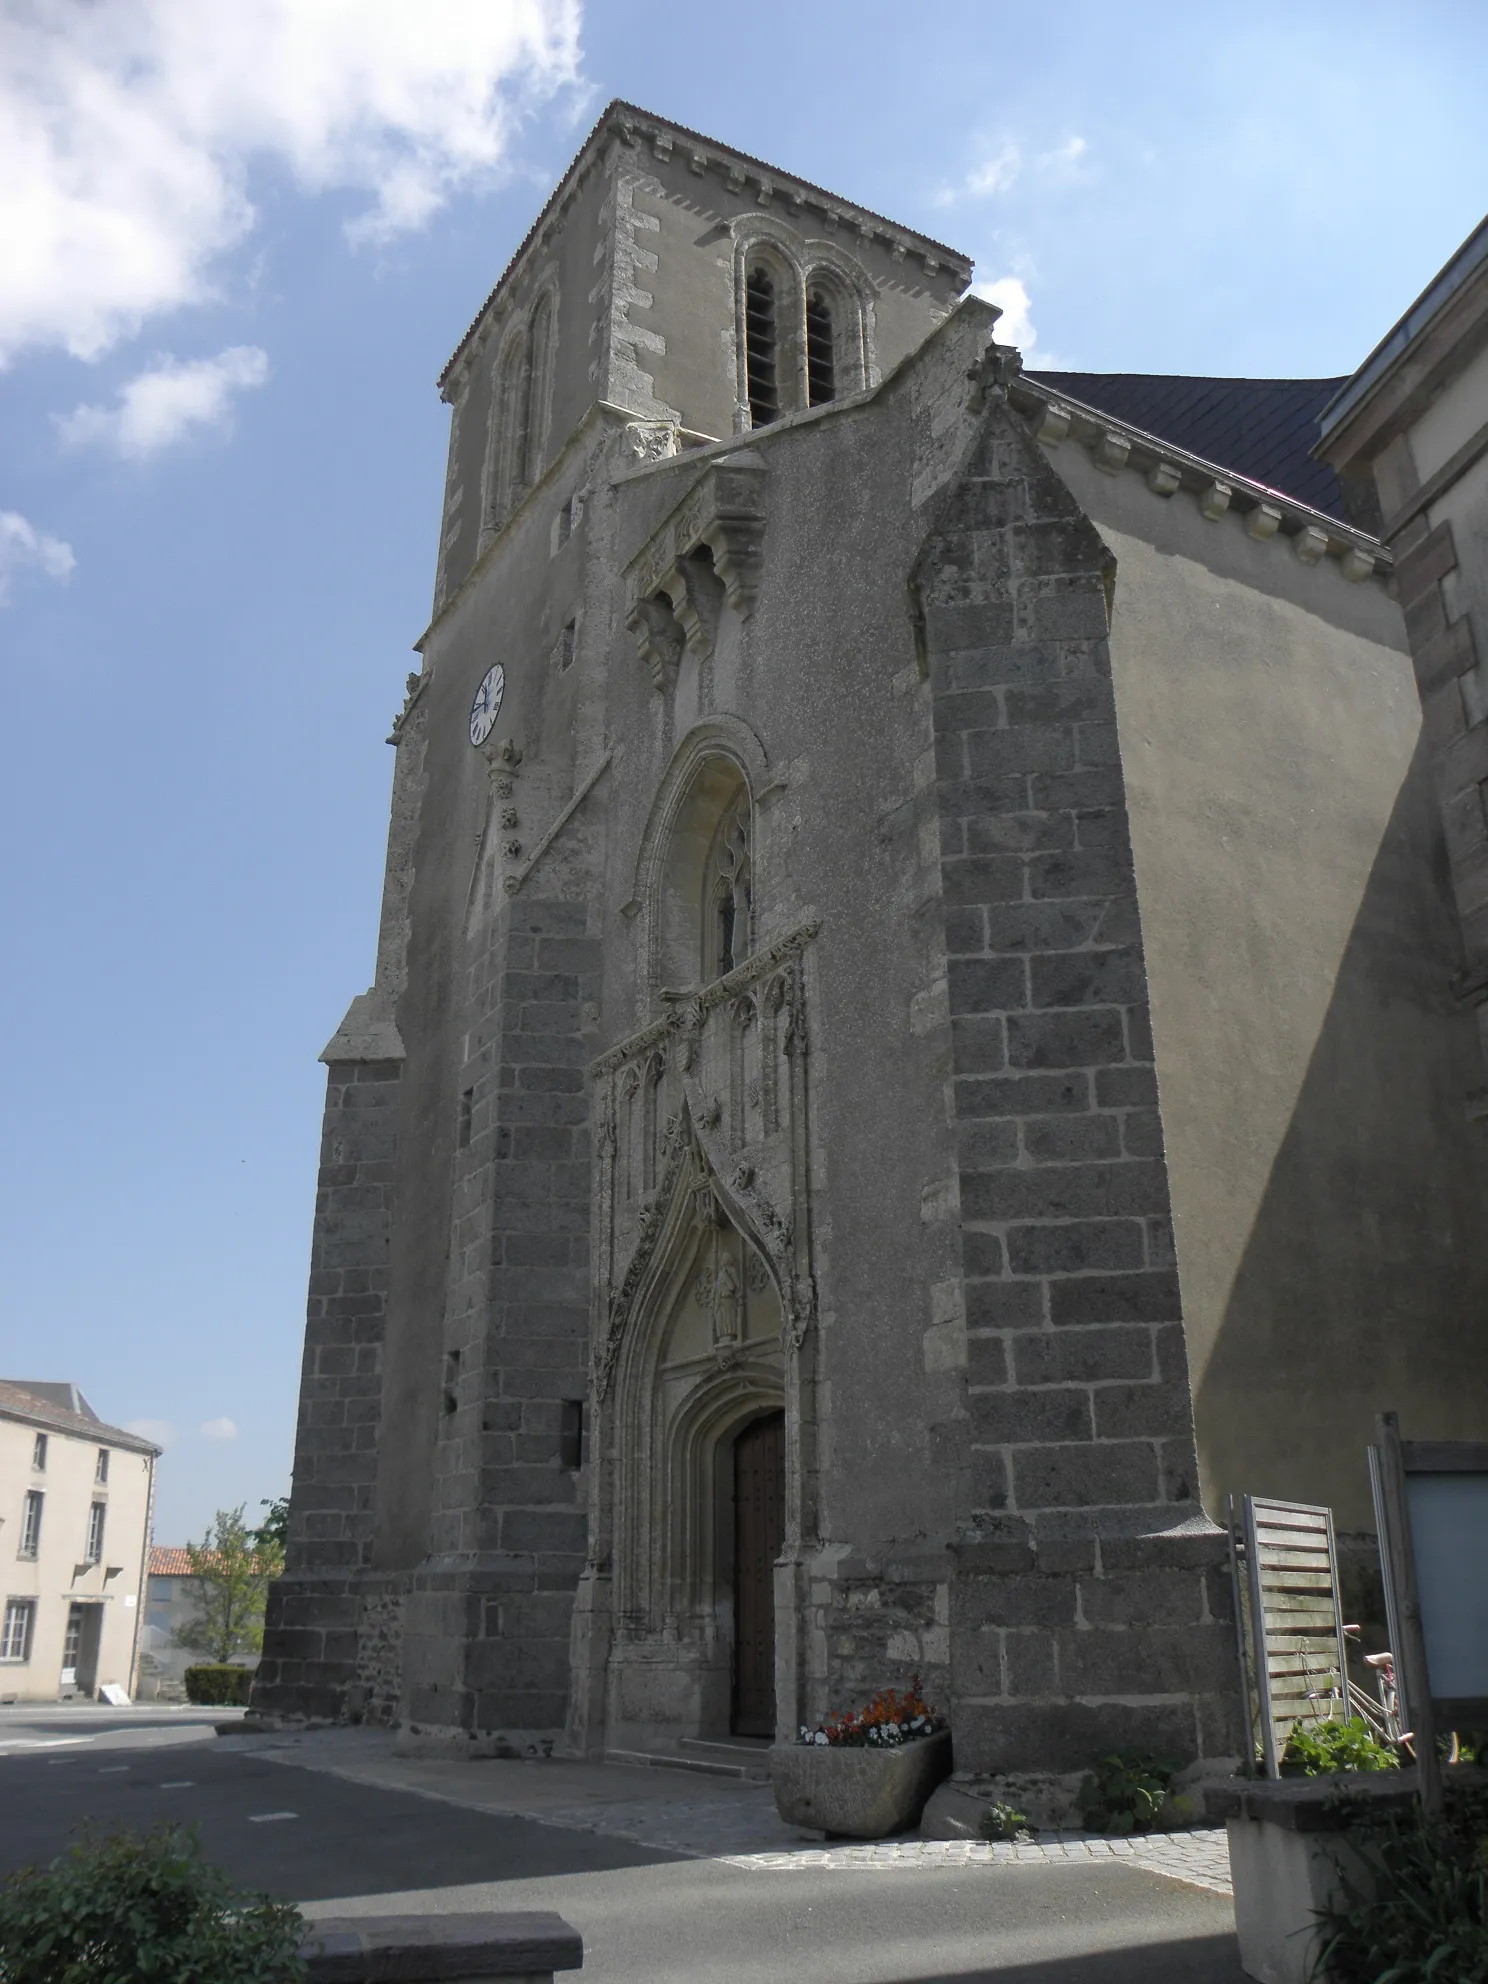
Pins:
<point x="707" y="551"/>
<point x="709" y="1101"/>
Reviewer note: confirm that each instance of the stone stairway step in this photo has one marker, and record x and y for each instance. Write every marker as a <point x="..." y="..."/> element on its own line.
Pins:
<point x="704" y="1758"/>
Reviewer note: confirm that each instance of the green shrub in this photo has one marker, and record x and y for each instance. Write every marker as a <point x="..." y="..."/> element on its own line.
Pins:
<point x="142" y="1909"/>
<point x="1330" y="1746"/>
<point x="1124" y="1794"/>
<point x="224" y="1687"/>
<point x="1419" y="1914"/>
<point x="1002" y="1822"/>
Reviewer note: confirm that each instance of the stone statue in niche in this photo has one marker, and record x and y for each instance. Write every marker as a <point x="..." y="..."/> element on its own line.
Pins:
<point x="728" y="1312"/>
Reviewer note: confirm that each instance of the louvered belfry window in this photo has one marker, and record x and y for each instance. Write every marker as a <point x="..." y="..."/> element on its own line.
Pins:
<point x="761" y="347"/>
<point x="821" y="350"/>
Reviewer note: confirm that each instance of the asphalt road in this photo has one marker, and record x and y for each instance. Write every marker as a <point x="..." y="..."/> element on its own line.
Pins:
<point x="647" y="1917"/>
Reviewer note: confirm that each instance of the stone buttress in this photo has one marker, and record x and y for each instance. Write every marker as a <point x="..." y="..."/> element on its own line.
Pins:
<point x="1089" y="1601"/>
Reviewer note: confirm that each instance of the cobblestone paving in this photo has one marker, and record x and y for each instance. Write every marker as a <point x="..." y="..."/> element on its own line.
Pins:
<point x="758" y="1840"/>
<point x="738" y="1824"/>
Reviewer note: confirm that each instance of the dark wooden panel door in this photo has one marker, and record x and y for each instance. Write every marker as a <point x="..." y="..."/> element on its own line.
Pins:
<point x="759" y="1532"/>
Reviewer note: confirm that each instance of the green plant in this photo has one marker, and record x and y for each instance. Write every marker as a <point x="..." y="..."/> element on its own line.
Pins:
<point x="145" y="1908"/>
<point x="1124" y="1794"/>
<point x="1002" y="1822"/>
<point x="1418" y="1914"/>
<point x="220" y="1686"/>
<point x="273" y="1532"/>
<point x="231" y="1571"/>
<point x="1330" y="1746"/>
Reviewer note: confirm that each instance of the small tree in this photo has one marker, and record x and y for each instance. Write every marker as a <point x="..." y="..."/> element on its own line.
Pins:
<point x="231" y="1570"/>
<point x="273" y="1531"/>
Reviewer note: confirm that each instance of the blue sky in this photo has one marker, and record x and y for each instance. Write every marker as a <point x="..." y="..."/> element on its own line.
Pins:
<point x="242" y="241"/>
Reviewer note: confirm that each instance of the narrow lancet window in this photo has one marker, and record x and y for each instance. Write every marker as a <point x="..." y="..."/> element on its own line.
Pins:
<point x="728" y="892"/>
<point x="534" y="412"/>
<point x="821" y="351"/>
<point x="760" y="342"/>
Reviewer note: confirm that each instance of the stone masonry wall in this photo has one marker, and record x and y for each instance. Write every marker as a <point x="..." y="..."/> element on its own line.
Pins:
<point x="1089" y="1606"/>
<point x="487" y="1639"/>
<point x="310" y="1637"/>
<point x="1454" y="711"/>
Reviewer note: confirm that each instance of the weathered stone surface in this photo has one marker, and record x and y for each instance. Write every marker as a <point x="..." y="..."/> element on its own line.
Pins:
<point x="862" y="1793"/>
<point x="425" y="1949"/>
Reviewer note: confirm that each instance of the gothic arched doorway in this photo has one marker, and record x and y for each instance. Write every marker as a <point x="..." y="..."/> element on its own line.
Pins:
<point x="759" y="1534"/>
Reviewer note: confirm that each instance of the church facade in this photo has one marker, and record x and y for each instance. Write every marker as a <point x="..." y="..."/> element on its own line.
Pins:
<point x="913" y="1047"/>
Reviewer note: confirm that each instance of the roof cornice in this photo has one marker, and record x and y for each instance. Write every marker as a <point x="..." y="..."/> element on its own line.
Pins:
<point x="1445" y="325"/>
<point x="634" y="126"/>
<point x="1270" y="514"/>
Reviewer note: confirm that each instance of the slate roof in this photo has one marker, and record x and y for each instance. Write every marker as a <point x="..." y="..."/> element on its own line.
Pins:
<point x="1262" y="428"/>
<point x="18" y="1403"/>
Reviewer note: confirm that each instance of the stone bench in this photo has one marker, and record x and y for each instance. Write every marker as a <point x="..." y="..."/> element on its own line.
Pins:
<point x="423" y="1949"/>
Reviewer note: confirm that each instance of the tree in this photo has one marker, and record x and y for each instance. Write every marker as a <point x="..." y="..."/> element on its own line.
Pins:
<point x="273" y="1531"/>
<point x="231" y="1570"/>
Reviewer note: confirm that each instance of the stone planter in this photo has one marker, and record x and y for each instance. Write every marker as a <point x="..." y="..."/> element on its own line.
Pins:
<point x="1290" y="1855"/>
<point x="864" y="1793"/>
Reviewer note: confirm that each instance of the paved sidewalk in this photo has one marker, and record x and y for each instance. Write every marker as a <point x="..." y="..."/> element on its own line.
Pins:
<point x="706" y="1818"/>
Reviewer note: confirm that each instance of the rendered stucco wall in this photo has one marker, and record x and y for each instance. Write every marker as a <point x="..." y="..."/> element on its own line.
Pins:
<point x="1312" y="1059"/>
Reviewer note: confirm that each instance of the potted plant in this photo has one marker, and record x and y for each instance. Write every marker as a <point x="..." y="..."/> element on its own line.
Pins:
<point x="867" y="1772"/>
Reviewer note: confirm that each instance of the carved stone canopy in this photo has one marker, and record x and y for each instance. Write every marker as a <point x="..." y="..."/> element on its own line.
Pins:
<point x="707" y="551"/>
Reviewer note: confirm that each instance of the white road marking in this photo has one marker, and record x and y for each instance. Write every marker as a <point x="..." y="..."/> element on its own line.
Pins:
<point x="43" y="1743"/>
<point x="177" y="1784"/>
<point x="111" y="1770"/>
<point x="260" y="1818"/>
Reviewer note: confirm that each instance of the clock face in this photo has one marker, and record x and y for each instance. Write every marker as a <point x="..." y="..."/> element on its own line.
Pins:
<point x="487" y="705"/>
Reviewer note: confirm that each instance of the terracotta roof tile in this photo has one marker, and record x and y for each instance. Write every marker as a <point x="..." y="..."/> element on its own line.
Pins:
<point x="169" y="1560"/>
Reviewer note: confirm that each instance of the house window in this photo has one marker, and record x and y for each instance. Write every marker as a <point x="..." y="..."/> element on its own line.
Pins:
<point x="466" y="1118"/>
<point x="727" y="891"/>
<point x="760" y="353"/>
<point x="38" y="1454"/>
<point x="15" y="1641"/>
<point x="96" y="1516"/>
<point x="100" y="1473"/>
<point x="31" y="1524"/>
<point x="821" y="350"/>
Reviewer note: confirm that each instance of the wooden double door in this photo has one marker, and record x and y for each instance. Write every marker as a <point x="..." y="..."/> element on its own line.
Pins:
<point x="759" y="1533"/>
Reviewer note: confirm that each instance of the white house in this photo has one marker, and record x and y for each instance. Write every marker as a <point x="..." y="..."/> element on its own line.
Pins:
<point x="76" y="1497"/>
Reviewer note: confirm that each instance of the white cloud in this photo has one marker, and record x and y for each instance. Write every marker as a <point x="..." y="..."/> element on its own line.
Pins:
<point x="1004" y="167"/>
<point x="1068" y="154"/>
<point x="995" y="175"/>
<point x="127" y="132"/>
<point x="219" y="1429"/>
<point x="160" y="406"/>
<point x="159" y="1432"/>
<point x="1015" y="325"/>
<point x="24" y="548"/>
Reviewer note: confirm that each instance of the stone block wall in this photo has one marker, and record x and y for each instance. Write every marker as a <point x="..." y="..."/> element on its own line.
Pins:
<point x="875" y="1625"/>
<point x="1454" y="710"/>
<point x="310" y="1638"/>
<point x="1088" y="1607"/>
<point x="487" y="1636"/>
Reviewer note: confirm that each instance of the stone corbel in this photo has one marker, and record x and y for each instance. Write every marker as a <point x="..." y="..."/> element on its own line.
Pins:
<point x="659" y="637"/>
<point x="697" y="601"/>
<point x="710" y="549"/>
